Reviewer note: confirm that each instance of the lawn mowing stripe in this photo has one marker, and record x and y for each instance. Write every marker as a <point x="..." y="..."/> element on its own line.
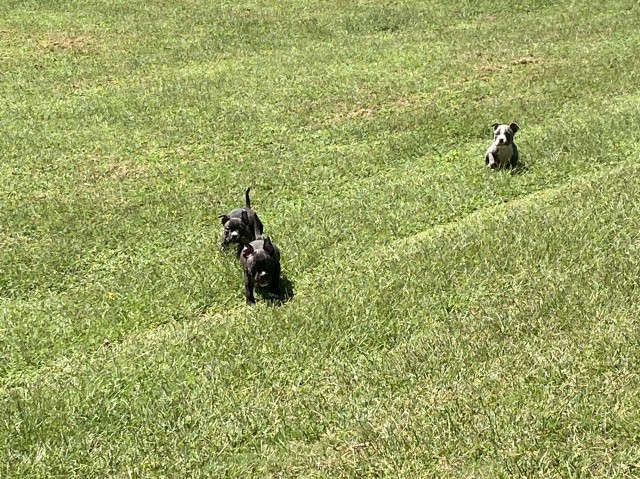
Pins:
<point x="438" y="202"/>
<point x="430" y="382"/>
<point x="323" y="281"/>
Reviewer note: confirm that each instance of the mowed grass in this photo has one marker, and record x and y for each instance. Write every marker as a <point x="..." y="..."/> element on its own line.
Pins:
<point x="446" y="321"/>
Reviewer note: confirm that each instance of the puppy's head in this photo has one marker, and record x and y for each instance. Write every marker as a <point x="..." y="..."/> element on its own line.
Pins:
<point x="236" y="230"/>
<point x="503" y="134"/>
<point x="260" y="263"/>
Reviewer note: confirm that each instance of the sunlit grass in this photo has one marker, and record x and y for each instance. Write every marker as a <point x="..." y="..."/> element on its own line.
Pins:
<point x="446" y="320"/>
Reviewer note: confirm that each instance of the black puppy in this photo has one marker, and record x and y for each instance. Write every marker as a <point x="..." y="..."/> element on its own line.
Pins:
<point x="261" y="264"/>
<point x="241" y="226"/>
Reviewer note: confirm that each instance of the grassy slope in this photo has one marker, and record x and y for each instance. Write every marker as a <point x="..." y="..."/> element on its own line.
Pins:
<point x="503" y="343"/>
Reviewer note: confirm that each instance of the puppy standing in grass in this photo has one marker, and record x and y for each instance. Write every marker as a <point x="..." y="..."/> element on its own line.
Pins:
<point x="261" y="264"/>
<point x="241" y="226"/>
<point x="503" y="151"/>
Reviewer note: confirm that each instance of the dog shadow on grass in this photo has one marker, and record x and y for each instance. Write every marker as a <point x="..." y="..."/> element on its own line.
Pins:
<point x="286" y="292"/>
<point x="520" y="169"/>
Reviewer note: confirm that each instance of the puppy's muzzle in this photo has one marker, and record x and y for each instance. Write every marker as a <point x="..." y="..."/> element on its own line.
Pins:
<point x="263" y="279"/>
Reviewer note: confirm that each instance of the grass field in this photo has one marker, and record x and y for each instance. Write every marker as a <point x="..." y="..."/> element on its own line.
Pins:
<point x="446" y="321"/>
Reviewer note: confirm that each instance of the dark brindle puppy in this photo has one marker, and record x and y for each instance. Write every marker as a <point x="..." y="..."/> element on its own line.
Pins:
<point x="503" y="151"/>
<point x="261" y="264"/>
<point x="241" y="226"/>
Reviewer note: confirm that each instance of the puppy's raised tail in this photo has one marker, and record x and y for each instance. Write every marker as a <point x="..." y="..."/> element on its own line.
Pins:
<point x="247" y="200"/>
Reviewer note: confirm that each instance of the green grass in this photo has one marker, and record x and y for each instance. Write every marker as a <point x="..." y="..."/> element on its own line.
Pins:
<point x="446" y="321"/>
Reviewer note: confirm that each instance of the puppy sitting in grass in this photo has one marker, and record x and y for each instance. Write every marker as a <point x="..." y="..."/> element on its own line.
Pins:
<point x="241" y="226"/>
<point x="261" y="264"/>
<point x="503" y="152"/>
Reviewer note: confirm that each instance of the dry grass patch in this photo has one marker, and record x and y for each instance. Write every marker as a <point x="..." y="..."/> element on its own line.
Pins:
<point x="527" y="61"/>
<point x="125" y="169"/>
<point x="350" y="112"/>
<point x="488" y="69"/>
<point x="58" y="42"/>
<point x="347" y="113"/>
<point x="119" y="170"/>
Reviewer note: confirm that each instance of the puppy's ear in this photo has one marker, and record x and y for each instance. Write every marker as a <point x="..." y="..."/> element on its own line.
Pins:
<point x="495" y="125"/>
<point x="514" y="128"/>
<point x="247" y="250"/>
<point x="245" y="217"/>
<point x="268" y="245"/>
<point x="223" y="219"/>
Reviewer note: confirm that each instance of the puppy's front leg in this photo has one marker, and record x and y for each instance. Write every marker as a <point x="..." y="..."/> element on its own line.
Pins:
<point x="513" y="161"/>
<point x="274" y="285"/>
<point x="248" y="290"/>
<point x="490" y="160"/>
<point x="223" y="242"/>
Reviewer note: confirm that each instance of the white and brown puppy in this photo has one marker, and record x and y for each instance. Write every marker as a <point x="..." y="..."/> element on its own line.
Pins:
<point x="261" y="264"/>
<point x="503" y="152"/>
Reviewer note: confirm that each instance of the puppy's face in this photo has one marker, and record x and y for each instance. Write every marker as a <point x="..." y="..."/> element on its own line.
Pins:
<point x="260" y="264"/>
<point x="236" y="230"/>
<point x="503" y="134"/>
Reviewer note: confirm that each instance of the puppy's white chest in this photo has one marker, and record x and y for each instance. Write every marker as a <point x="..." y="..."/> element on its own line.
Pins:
<point x="503" y="153"/>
